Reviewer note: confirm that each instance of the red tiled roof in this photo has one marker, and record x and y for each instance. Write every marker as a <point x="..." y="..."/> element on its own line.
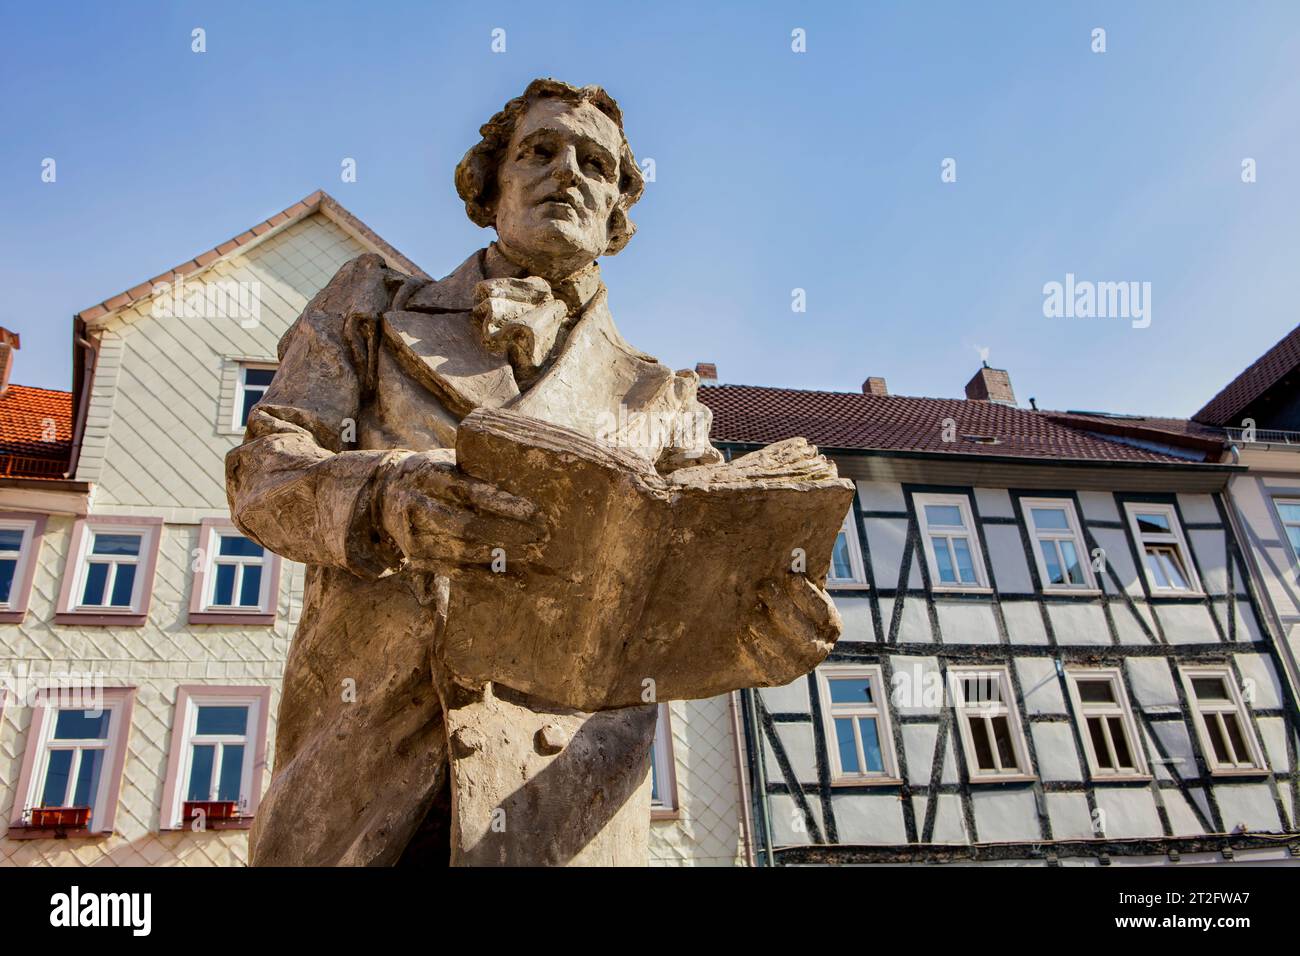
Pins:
<point x="1173" y="431"/>
<point x="319" y="200"/>
<point x="1265" y="372"/>
<point x="35" y="432"/>
<point x="759" y="415"/>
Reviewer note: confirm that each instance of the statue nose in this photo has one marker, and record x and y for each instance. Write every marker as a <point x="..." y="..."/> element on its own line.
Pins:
<point x="566" y="166"/>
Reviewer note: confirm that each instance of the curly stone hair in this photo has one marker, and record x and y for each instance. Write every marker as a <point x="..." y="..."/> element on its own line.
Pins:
<point x="476" y="174"/>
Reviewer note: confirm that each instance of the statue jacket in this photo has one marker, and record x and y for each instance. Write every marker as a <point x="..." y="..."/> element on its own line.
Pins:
<point x="381" y="365"/>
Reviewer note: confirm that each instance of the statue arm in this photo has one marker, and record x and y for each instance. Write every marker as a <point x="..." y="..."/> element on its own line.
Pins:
<point x="293" y="485"/>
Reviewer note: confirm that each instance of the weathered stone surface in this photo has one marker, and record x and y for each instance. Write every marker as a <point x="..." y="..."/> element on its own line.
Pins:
<point x="580" y="798"/>
<point x="512" y="520"/>
<point x="675" y="587"/>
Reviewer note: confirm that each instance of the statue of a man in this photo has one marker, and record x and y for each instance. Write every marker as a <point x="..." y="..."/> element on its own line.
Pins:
<point x="383" y="755"/>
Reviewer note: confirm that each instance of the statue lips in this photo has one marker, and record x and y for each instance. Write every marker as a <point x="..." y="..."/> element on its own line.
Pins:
<point x="559" y="201"/>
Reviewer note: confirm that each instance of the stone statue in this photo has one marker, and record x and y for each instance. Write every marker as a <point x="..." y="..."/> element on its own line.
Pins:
<point x="504" y="572"/>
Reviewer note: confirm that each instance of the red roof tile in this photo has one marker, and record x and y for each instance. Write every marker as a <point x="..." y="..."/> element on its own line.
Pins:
<point x="759" y="415"/>
<point x="29" y="419"/>
<point x="1265" y="372"/>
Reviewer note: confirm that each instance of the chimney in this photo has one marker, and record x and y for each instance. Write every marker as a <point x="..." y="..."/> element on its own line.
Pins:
<point x="8" y="345"/>
<point x="875" y="386"/>
<point x="991" y="385"/>
<point x="707" y="371"/>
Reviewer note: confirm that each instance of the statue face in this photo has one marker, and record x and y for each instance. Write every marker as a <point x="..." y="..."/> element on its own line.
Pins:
<point x="558" y="182"/>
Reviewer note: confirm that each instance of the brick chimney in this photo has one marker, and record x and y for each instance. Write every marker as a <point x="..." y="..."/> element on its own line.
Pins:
<point x="991" y="385"/>
<point x="8" y="345"/>
<point x="875" y="386"/>
<point x="707" y="371"/>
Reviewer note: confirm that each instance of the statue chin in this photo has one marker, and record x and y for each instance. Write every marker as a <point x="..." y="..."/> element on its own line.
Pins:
<point x="550" y="246"/>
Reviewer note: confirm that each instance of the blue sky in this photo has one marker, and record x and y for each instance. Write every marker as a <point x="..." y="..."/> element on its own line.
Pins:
<point x="774" y="171"/>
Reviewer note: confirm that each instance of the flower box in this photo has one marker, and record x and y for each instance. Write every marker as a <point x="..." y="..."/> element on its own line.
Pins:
<point x="211" y="810"/>
<point x="66" y="817"/>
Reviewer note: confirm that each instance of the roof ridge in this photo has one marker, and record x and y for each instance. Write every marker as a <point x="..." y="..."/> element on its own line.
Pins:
<point x="1231" y="408"/>
<point x="40" y="388"/>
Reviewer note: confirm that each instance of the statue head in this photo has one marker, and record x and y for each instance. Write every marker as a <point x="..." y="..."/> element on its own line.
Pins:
<point x="555" y="176"/>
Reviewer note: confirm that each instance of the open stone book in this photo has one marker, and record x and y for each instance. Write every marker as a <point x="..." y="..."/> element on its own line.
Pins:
<point x="648" y="587"/>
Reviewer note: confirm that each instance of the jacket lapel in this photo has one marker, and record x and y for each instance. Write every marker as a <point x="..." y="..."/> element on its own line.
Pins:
<point x="430" y="333"/>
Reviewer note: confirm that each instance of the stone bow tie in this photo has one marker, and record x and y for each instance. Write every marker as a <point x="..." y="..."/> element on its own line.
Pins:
<point x="521" y="319"/>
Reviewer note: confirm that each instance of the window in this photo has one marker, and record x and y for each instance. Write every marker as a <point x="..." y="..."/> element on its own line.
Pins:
<point x="1288" y="509"/>
<point x="846" y="557"/>
<point x="951" y="545"/>
<point x="1164" y="550"/>
<point x="989" y="724"/>
<point x="236" y="580"/>
<point x="20" y="537"/>
<point x="218" y="757"/>
<point x="109" y="574"/>
<point x="856" y="718"/>
<point x="1110" y="736"/>
<point x="1221" y="721"/>
<point x="1059" y="549"/>
<point x="663" y="772"/>
<point x="111" y="569"/>
<point x="72" y="769"/>
<point x="251" y="386"/>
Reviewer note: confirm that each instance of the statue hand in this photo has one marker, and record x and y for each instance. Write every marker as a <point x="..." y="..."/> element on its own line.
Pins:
<point x="439" y="516"/>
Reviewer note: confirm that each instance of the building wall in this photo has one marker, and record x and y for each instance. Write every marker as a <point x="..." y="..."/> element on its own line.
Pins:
<point x="899" y="624"/>
<point x="707" y="830"/>
<point x="160" y="420"/>
<point x="1275" y="564"/>
<point x="155" y="658"/>
<point x="159" y="425"/>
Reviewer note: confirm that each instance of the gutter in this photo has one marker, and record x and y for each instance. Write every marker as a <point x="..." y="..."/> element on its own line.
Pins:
<point x="742" y="780"/>
<point x="46" y="484"/>
<point x="1022" y="460"/>
<point x="83" y="380"/>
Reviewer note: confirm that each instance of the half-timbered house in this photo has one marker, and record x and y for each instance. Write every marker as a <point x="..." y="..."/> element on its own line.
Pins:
<point x="1051" y="651"/>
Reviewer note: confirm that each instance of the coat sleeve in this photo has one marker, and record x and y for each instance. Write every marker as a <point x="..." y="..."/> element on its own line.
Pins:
<point x="294" y="486"/>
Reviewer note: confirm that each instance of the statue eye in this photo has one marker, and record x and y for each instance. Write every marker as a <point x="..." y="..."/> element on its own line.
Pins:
<point x="598" y="164"/>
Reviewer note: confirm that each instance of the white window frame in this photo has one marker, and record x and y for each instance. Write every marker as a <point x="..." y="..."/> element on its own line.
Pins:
<point x="117" y="702"/>
<point x="212" y="557"/>
<point x="21" y="585"/>
<point x="878" y="710"/>
<point x="962" y="502"/>
<point x="858" y="569"/>
<point x="190" y="737"/>
<point x="1205" y="710"/>
<point x="1173" y="538"/>
<point x="1073" y="534"/>
<point x="1121" y="708"/>
<point x="241" y="389"/>
<point x="1277" y="510"/>
<point x="665" y="807"/>
<point x="142" y="561"/>
<point x="987" y="710"/>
